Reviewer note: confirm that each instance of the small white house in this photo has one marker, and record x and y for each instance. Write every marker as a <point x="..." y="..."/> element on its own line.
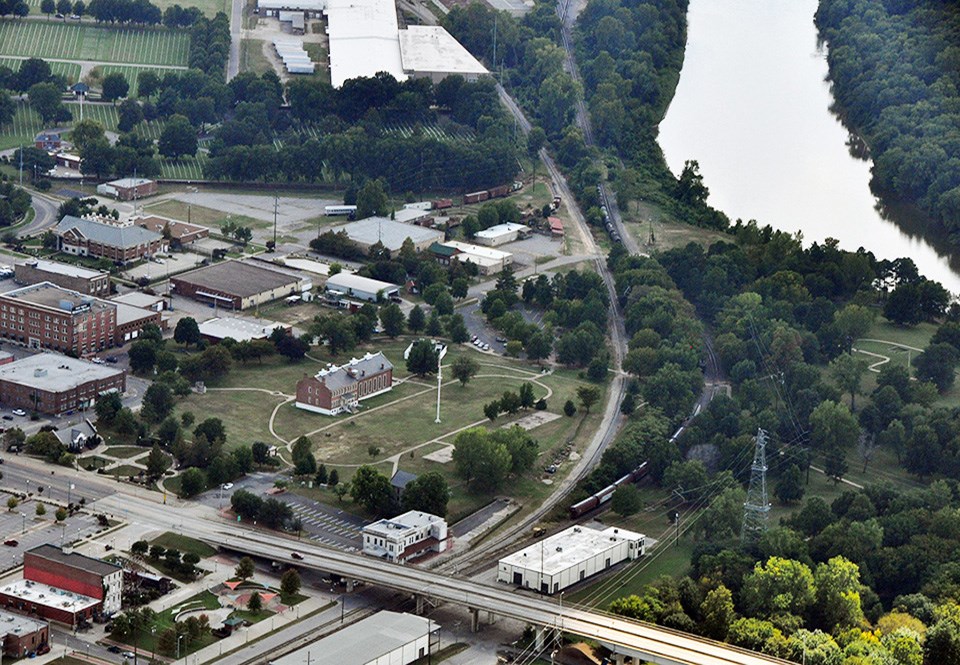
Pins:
<point x="405" y="536"/>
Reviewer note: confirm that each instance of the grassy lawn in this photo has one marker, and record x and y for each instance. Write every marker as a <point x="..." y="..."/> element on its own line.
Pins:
<point x="208" y="7"/>
<point x="147" y="641"/>
<point x="245" y="414"/>
<point x="85" y="41"/>
<point x="252" y="58"/>
<point x="69" y="660"/>
<point x="93" y="463"/>
<point x="125" y="471"/>
<point x="197" y="214"/>
<point x="183" y="544"/>
<point x="125" y="452"/>
<point x="917" y="336"/>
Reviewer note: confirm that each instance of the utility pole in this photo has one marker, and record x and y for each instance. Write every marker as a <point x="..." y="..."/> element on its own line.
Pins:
<point x="756" y="510"/>
<point x="276" y="203"/>
<point x="21" y="165"/>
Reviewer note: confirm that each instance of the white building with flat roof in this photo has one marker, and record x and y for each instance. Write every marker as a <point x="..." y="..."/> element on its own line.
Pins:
<point x="487" y="259"/>
<point x="362" y="288"/>
<point x="364" y="39"/>
<point x="502" y="234"/>
<point x="429" y="51"/>
<point x="365" y="233"/>
<point x="241" y="330"/>
<point x="568" y="557"/>
<point x="405" y="536"/>
<point x="386" y="638"/>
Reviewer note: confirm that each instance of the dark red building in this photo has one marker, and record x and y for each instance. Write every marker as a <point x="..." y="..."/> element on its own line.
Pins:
<point x="22" y="635"/>
<point x="339" y="389"/>
<point x="75" y="572"/>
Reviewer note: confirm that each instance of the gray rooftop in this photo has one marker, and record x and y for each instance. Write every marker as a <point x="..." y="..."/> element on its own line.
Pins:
<point x="137" y="299"/>
<point x="402" y="478"/>
<point x="130" y="182"/>
<point x="75" y="560"/>
<point x="241" y="330"/>
<point x="363" y="642"/>
<point x="63" y="268"/>
<point x="345" y="281"/>
<point x="238" y="278"/>
<point x="50" y="295"/>
<point x="391" y="233"/>
<point x="348" y="374"/>
<point x="15" y="624"/>
<point x="127" y="313"/>
<point x="54" y="373"/>
<point x="108" y="234"/>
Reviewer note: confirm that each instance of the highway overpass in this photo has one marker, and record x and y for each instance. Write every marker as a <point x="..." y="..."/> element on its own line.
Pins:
<point x="652" y="643"/>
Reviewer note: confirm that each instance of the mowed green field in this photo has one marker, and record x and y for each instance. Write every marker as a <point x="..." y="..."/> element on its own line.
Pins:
<point x="69" y="70"/>
<point x="131" y="73"/>
<point x="67" y="41"/>
<point x="25" y="126"/>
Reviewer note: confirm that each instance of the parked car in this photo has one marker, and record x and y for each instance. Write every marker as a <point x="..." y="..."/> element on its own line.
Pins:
<point x="297" y="556"/>
<point x="97" y="360"/>
<point x="7" y="417"/>
<point x="11" y="543"/>
<point x="19" y="412"/>
<point x="59" y="15"/>
<point x="113" y="648"/>
<point x="44" y="648"/>
<point x="112" y="359"/>
<point x="227" y="486"/>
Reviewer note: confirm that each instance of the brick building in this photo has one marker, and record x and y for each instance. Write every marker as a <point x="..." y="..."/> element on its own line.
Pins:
<point x="116" y="242"/>
<point x="21" y="635"/>
<point x="45" y="316"/>
<point x="75" y="278"/>
<point x="180" y="233"/>
<point x="49" y="141"/>
<point x="54" y="384"/>
<point x="127" y="189"/>
<point x="75" y="572"/>
<point x="405" y="536"/>
<point x="131" y="320"/>
<point x="338" y="389"/>
<point x="43" y="601"/>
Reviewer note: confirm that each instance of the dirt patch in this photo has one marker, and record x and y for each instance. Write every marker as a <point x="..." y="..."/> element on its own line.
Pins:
<point x="534" y="420"/>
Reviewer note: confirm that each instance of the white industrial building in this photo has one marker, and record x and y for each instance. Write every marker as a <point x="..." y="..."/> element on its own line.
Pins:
<point x="429" y="51"/>
<point x="362" y="288"/>
<point x="568" y="557"/>
<point x="502" y="234"/>
<point x="295" y="59"/>
<point x="405" y="536"/>
<point x="365" y="39"/>
<point x="239" y="330"/>
<point x="386" y="638"/>
<point x="487" y="260"/>
<point x="365" y="233"/>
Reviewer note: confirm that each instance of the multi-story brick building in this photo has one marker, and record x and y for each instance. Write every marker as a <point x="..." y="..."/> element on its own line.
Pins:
<point x="337" y="389"/>
<point x="116" y="242"/>
<point x="21" y="635"/>
<point x="54" y="384"/>
<point x="75" y="278"/>
<point x="45" y="316"/>
<point x="75" y="572"/>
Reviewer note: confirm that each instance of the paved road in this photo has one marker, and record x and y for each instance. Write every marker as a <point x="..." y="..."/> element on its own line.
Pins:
<point x="45" y="215"/>
<point x="236" y="26"/>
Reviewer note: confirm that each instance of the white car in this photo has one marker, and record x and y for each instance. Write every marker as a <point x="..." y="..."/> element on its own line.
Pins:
<point x="227" y="486"/>
<point x="97" y="360"/>
<point x="19" y="412"/>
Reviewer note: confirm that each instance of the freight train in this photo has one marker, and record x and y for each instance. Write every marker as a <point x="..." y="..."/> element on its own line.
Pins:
<point x="492" y="193"/>
<point x="597" y="499"/>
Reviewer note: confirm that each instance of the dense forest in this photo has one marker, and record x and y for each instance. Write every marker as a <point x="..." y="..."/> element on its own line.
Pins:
<point x="895" y="69"/>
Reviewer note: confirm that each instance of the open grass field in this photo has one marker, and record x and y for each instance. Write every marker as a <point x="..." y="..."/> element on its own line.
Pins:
<point x="125" y="452"/>
<point x="208" y="7"/>
<point x="69" y="70"/>
<point x="187" y="168"/>
<point x="26" y="124"/>
<point x="196" y="214"/>
<point x="67" y="41"/>
<point x="252" y="58"/>
<point x="183" y="544"/>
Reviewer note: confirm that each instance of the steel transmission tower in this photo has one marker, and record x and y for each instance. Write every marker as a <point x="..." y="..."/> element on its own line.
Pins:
<point x="757" y="508"/>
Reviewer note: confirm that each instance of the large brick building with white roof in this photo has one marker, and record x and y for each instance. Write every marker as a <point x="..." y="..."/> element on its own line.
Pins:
<point x="337" y="389"/>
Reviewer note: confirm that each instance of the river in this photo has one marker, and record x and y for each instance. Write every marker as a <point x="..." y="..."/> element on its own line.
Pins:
<point x="753" y="108"/>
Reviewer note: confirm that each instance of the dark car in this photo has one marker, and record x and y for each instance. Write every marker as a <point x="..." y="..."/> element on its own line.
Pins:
<point x="11" y="543"/>
<point x="7" y="417"/>
<point x="113" y="648"/>
<point x="297" y="556"/>
<point x="112" y="359"/>
<point x="44" y="648"/>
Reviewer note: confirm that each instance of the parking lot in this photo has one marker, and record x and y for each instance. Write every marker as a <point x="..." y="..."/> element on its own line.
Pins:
<point x="28" y="531"/>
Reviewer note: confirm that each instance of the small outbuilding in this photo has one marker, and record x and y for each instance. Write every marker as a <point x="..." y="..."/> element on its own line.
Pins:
<point x="502" y="234"/>
<point x="362" y="288"/>
<point x="127" y="189"/>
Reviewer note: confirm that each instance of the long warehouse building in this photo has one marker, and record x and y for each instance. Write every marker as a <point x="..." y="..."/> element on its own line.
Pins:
<point x="568" y="557"/>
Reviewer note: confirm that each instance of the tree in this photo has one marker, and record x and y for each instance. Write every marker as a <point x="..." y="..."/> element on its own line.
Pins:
<point x="292" y="348"/>
<point x="778" y="586"/>
<point x="938" y="364"/>
<point x="140" y="548"/>
<point x="847" y="373"/>
<point x="428" y="493"/>
<point x="539" y="346"/>
<point x="46" y="100"/>
<point x="60" y="515"/>
<point x="392" y="320"/>
<point x="157" y="462"/>
<point x="372" y="200"/>
<point x="143" y="356"/>
<point x="491" y="410"/>
<point x="464" y="368"/>
<point x="837" y="594"/>
<point x="48" y="7"/>
<point x="41" y="510"/>
<point x="13" y="502"/>
<point x="422" y="360"/>
<point x="569" y="408"/>
<point x="790" y="487"/>
<point x="107" y="407"/>
<point x="833" y="427"/>
<point x="157" y="402"/>
<point x="480" y="460"/>
<point x="261" y="452"/>
<point x="187" y="331"/>
<point x="626" y="500"/>
<point x="290" y="583"/>
<point x="417" y="319"/>
<point x="457" y="329"/>
<point x="835" y="464"/>
<point x="192" y="482"/>
<point x="853" y="322"/>
<point x="334" y="478"/>
<point x="115" y="87"/>
<point x="942" y="643"/>
<point x="372" y="490"/>
<point x="245" y="568"/>
<point x="255" y="604"/>
<point x="527" y="398"/>
<point x="246" y="504"/>
<point x="588" y="396"/>
<point x="718" y="613"/>
<point x="178" y="138"/>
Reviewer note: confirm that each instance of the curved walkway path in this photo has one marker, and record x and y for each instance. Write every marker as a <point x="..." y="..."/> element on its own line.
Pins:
<point x="873" y="367"/>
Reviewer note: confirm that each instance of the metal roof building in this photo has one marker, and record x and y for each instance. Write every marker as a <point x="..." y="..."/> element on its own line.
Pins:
<point x="238" y="284"/>
<point x="364" y="39"/>
<point x="385" y="637"/>
<point x="367" y="232"/>
<point x="567" y="557"/>
<point x="364" y="288"/>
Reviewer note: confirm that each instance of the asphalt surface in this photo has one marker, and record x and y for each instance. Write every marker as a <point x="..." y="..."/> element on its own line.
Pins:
<point x="45" y="215"/>
<point x="21" y="477"/>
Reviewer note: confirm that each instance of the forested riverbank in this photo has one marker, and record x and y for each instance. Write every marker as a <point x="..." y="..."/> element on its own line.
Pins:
<point x="895" y="73"/>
